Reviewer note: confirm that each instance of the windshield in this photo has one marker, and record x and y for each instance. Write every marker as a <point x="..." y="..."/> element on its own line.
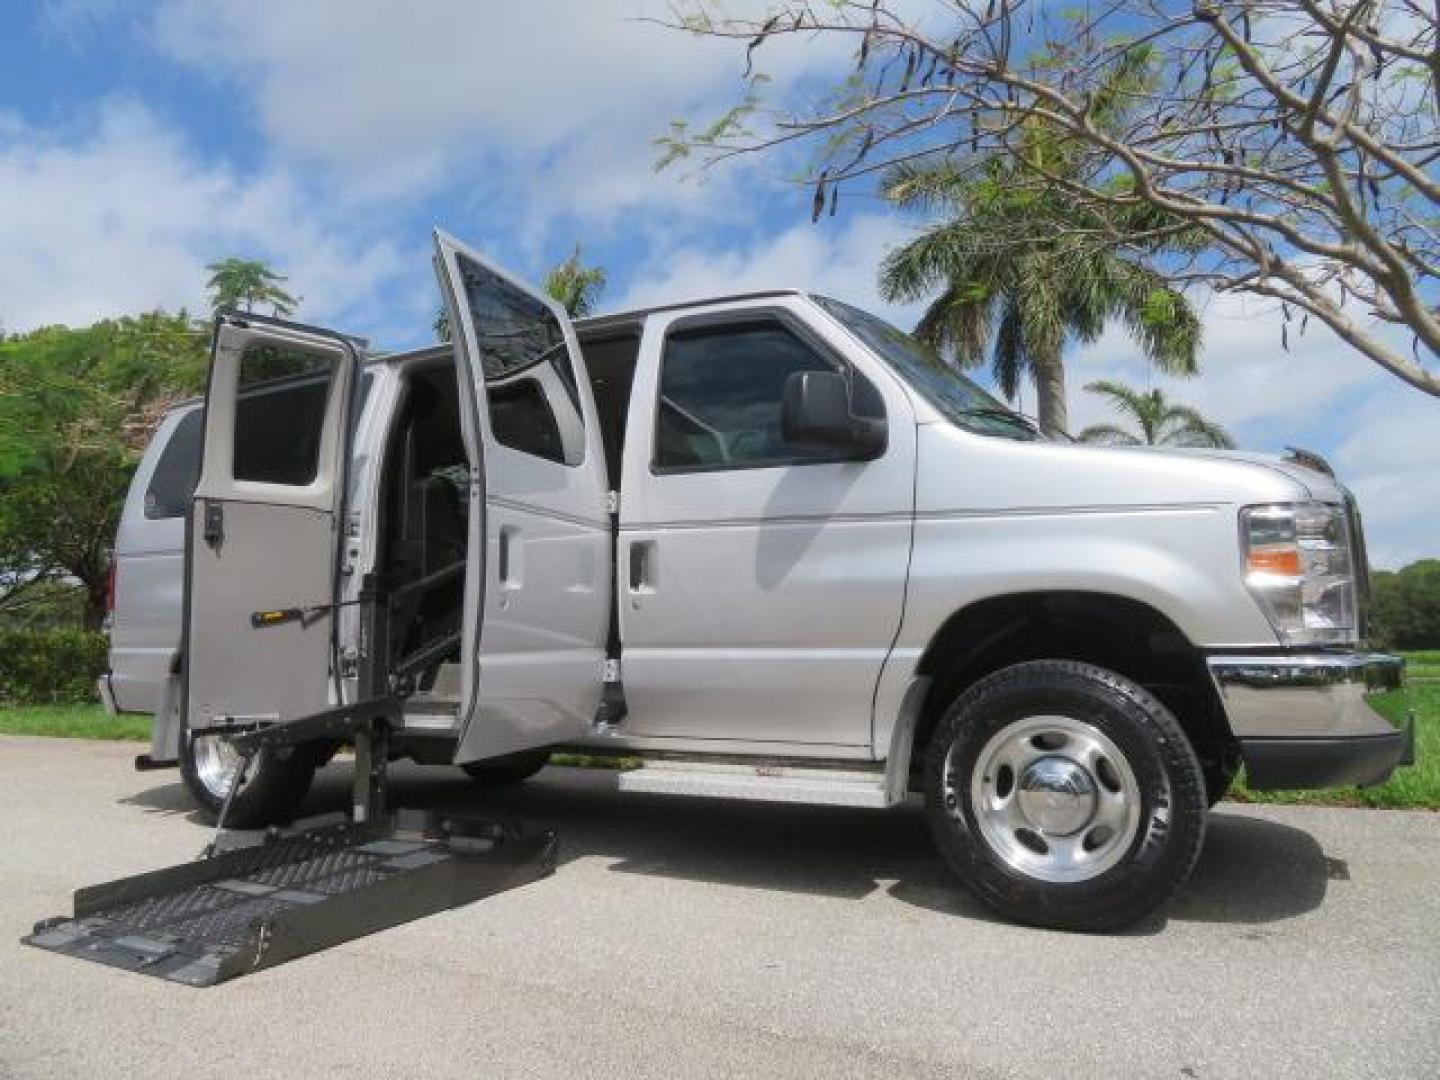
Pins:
<point x="953" y="395"/>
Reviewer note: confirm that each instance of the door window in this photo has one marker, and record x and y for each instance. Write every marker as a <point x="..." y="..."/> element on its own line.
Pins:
<point x="280" y="413"/>
<point x="721" y="391"/>
<point x="173" y="482"/>
<point x="529" y="376"/>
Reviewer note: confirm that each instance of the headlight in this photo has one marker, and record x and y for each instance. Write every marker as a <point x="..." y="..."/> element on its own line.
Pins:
<point x="1298" y="564"/>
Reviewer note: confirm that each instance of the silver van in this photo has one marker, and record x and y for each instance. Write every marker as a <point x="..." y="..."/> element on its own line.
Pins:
<point x="769" y="544"/>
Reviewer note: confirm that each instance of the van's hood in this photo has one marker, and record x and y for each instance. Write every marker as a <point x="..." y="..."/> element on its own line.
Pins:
<point x="958" y="469"/>
<point x="1319" y="485"/>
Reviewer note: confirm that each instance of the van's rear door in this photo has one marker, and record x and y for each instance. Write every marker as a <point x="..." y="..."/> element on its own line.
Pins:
<point x="263" y="537"/>
<point x="539" y="581"/>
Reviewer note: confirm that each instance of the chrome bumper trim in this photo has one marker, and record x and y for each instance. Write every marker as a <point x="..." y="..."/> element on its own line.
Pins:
<point x="107" y="694"/>
<point x="1311" y="695"/>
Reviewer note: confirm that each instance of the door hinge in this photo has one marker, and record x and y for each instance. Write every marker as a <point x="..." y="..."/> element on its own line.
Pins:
<point x="612" y="502"/>
<point x="610" y="673"/>
<point x="353" y="527"/>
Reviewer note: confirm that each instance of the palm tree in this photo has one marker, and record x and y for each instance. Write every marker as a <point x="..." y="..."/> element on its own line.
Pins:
<point x="1161" y="422"/>
<point x="1023" y="269"/>
<point x="241" y="284"/>
<point x="575" y="286"/>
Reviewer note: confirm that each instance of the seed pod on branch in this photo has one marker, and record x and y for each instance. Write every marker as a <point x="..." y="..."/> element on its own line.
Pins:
<point x="817" y="204"/>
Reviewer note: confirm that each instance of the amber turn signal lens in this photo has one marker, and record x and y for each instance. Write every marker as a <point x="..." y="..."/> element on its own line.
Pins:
<point x="1284" y="561"/>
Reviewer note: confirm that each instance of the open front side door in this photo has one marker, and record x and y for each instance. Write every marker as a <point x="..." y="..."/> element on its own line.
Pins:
<point x="538" y="587"/>
<point x="263" y="538"/>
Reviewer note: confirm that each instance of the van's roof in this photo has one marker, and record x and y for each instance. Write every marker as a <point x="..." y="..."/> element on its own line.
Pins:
<point x="631" y="318"/>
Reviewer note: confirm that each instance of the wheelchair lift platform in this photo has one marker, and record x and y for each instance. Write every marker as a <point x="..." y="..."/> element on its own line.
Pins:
<point x="230" y="913"/>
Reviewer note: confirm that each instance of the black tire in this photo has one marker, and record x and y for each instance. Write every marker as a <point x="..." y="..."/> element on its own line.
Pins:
<point x="276" y="785"/>
<point x="1163" y="775"/>
<point x="510" y="769"/>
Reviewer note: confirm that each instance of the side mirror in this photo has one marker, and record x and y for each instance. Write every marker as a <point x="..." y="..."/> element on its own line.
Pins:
<point x="816" y="412"/>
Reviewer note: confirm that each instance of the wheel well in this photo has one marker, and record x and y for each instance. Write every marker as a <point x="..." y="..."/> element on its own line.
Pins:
<point x="1124" y="635"/>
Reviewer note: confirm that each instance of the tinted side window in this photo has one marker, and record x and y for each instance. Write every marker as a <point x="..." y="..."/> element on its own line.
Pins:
<point x="529" y="376"/>
<point x="173" y="481"/>
<point x="721" y="390"/>
<point x="280" y="414"/>
<point x="521" y="418"/>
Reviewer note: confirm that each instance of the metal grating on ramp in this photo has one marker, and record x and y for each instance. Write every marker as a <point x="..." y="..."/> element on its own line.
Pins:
<point x="204" y="922"/>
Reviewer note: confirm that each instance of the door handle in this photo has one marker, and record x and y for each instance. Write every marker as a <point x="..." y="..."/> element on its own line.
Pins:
<point x="214" y="524"/>
<point x="642" y="553"/>
<point x="506" y="559"/>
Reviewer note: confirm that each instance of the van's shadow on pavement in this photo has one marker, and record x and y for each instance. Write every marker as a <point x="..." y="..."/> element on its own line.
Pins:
<point x="1252" y="871"/>
<point x="168" y="800"/>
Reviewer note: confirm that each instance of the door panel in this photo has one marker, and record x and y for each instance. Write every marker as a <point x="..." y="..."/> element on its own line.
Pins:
<point x="537" y="603"/>
<point x="262" y="533"/>
<point x="768" y="595"/>
<point x="150" y="564"/>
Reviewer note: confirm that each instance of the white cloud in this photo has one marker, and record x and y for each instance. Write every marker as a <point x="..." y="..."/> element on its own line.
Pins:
<point x="1390" y="457"/>
<point x="836" y="257"/>
<point x="558" y="102"/>
<point x="1249" y="379"/>
<point x="120" y="216"/>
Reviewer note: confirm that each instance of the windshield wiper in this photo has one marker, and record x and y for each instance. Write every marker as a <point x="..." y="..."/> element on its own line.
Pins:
<point x="1003" y="414"/>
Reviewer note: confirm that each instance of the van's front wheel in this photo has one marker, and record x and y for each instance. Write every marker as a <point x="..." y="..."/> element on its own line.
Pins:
<point x="1065" y="795"/>
<point x="275" y="784"/>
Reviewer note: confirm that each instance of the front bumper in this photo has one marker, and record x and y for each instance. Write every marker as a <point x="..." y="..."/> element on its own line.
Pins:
<point x="1313" y="720"/>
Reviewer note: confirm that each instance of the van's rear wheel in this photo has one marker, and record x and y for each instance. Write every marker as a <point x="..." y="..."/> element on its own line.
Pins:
<point x="510" y="769"/>
<point x="1065" y="795"/>
<point x="275" y="784"/>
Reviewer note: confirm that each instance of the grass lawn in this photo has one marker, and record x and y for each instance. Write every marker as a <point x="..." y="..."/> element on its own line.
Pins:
<point x="1423" y="666"/>
<point x="1417" y="787"/>
<point x="73" y="722"/>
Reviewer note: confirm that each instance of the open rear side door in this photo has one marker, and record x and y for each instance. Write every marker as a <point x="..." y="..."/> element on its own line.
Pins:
<point x="263" y="539"/>
<point x="537" y="602"/>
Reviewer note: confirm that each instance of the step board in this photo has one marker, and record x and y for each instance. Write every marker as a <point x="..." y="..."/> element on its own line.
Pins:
<point x="430" y="714"/>
<point x="759" y="782"/>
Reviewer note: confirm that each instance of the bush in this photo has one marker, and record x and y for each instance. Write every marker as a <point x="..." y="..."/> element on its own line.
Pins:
<point x="1405" y="606"/>
<point x="47" y="667"/>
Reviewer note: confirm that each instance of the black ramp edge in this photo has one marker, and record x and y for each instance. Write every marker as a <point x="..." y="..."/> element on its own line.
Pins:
<point x="204" y="922"/>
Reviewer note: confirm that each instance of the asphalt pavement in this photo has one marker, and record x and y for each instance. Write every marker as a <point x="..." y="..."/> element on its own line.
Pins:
<point x="691" y="939"/>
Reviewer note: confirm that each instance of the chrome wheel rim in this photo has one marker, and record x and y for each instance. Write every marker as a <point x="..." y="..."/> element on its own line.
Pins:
<point x="1052" y="796"/>
<point x="216" y="763"/>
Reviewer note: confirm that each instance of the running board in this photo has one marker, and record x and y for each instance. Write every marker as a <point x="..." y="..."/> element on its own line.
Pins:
<point x="762" y="783"/>
<point x="252" y="908"/>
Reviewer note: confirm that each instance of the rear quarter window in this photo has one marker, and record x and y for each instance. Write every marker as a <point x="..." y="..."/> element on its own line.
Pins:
<point x="173" y="481"/>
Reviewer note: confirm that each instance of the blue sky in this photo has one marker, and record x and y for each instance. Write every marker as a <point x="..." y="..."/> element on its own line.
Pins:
<point x="139" y="141"/>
